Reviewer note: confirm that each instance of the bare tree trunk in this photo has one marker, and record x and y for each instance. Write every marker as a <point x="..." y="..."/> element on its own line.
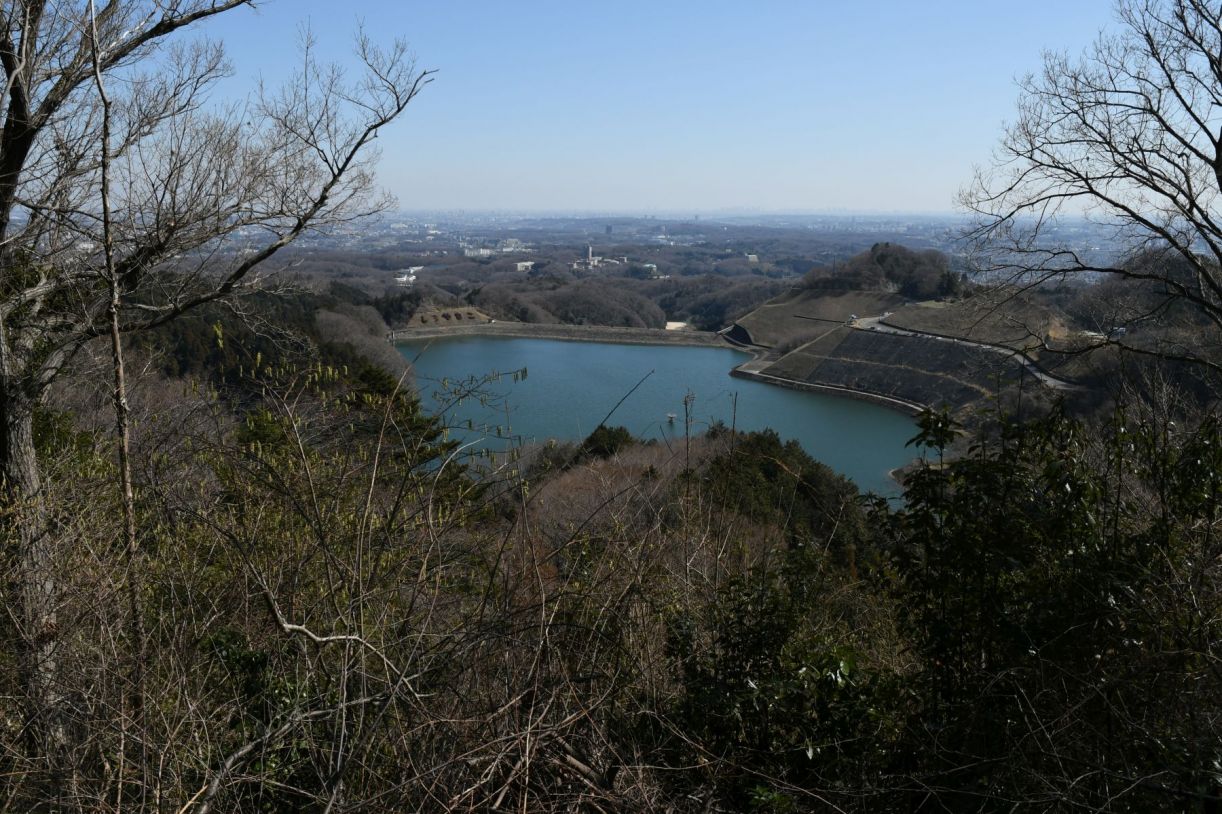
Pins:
<point x="134" y="704"/>
<point x="33" y="585"/>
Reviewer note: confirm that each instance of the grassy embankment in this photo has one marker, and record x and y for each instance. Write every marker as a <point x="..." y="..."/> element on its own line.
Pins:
<point x="802" y="314"/>
<point x="1015" y="321"/>
<point x="813" y="344"/>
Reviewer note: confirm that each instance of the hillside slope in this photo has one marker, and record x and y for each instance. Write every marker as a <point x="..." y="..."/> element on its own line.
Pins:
<point x="911" y="368"/>
<point x="801" y="312"/>
<point x="826" y="332"/>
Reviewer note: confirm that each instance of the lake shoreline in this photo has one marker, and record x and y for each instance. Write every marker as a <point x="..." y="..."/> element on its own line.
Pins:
<point x="606" y="334"/>
<point x="567" y="333"/>
<point x="650" y="336"/>
<point x="570" y="388"/>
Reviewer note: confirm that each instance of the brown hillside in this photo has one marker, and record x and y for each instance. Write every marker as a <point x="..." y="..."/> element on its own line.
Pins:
<point x="805" y="313"/>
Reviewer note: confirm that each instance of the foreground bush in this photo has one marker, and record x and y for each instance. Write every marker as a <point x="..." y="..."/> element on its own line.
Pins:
<point x="337" y="613"/>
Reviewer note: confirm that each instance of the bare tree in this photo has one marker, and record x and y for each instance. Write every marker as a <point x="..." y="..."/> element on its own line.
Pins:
<point x="1129" y="135"/>
<point x="127" y="198"/>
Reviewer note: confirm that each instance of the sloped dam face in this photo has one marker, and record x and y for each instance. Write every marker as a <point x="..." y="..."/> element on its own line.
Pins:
<point x="569" y="387"/>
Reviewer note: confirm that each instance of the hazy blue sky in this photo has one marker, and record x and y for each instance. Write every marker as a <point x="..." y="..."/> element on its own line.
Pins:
<point x="688" y="105"/>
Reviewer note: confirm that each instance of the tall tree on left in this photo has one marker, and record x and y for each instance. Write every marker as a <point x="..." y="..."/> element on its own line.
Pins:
<point x="199" y="195"/>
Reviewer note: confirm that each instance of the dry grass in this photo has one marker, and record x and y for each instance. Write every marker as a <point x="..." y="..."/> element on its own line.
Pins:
<point x="995" y="318"/>
<point x="801" y="362"/>
<point x="802" y="312"/>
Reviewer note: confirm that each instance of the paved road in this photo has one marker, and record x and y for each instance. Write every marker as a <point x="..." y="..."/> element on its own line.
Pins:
<point x="876" y="324"/>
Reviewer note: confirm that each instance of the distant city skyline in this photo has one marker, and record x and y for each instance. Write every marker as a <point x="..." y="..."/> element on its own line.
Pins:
<point x="688" y="107"/>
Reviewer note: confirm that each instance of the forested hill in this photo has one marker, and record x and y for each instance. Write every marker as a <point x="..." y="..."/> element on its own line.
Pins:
<point x="338" y="327"/>
<point x="871" y="283"/>
<point x="915" y="275"/>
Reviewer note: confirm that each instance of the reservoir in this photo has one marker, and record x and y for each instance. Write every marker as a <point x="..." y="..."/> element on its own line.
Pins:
<point x="569" y="387"/>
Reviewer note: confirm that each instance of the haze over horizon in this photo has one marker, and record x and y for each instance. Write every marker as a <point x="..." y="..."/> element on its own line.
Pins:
<point x="828" y="108"/>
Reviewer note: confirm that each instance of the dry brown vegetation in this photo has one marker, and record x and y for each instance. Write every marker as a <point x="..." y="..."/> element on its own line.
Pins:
<point x="803" y="313"/>
<point x="335" y="625"/>
<point x="435" y="316"/>
<point x="337" y="615"/>
<point x="996" y="316"/>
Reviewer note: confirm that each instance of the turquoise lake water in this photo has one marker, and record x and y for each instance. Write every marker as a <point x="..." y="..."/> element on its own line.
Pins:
<point x="570" y="387"/>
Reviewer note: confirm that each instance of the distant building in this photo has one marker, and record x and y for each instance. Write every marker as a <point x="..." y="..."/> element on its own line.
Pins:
<point x="589" y="263"/>
<point x="525" y="265"/>
<point x="753" y="258"/>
